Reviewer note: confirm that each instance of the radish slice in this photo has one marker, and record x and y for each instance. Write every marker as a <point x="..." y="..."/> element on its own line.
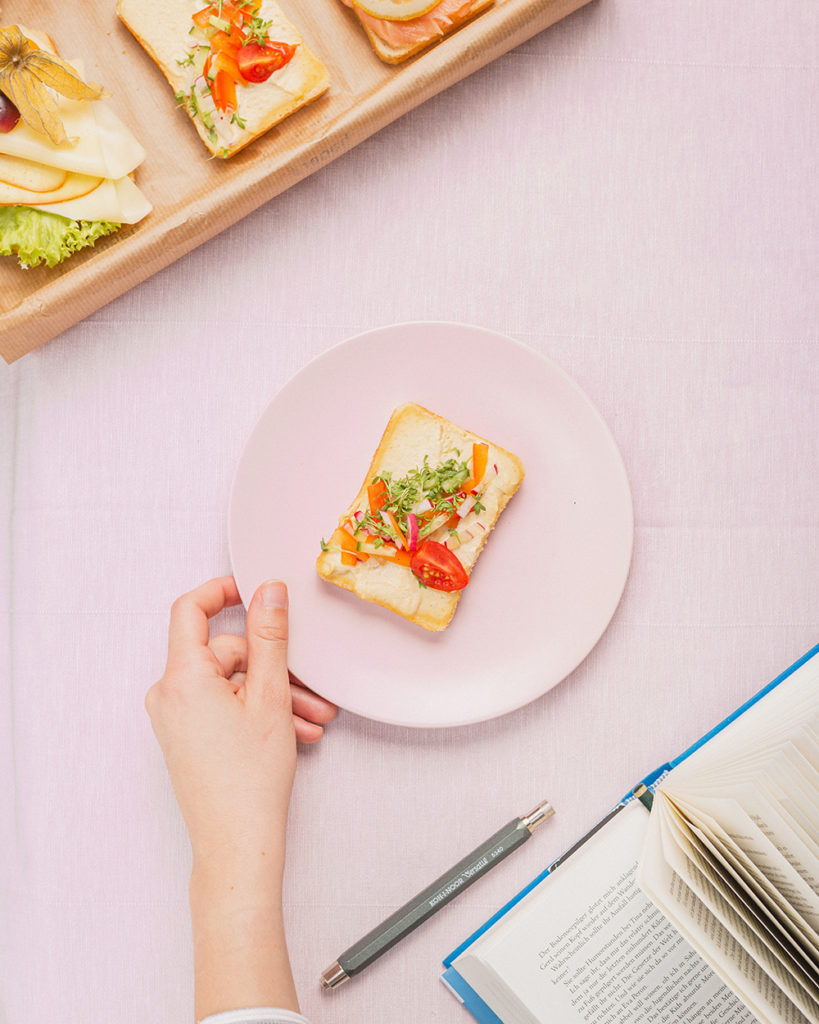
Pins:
<point x="424" y="506"/>
<point x="466" y="507"/>
<point x="412" y="531"/>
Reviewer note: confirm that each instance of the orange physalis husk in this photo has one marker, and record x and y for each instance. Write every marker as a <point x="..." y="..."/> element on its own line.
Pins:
<point x="26" y="76"/>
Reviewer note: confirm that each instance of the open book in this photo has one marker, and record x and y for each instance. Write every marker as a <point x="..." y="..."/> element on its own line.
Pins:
<point x="696" y="899"/>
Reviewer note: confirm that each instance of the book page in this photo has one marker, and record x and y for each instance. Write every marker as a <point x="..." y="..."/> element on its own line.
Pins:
<point x="763" y="993"/>
<point x="762" y="789"/>
<point x="795" y="845"/>
<point x="604" y="957"/>
<point x="697" y="909"/>
<point x="790" y="890"/>
<point x="695" y="859"/>
<point x="786" y="945"/>
<point x="813" y="734"/>
<point x="765" y="728"/>
<point x="808" y="746"/>
<point x="777" y="782"/>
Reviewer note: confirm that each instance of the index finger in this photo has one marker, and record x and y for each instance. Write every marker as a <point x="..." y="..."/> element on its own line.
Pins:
<point x="190" y="613"/>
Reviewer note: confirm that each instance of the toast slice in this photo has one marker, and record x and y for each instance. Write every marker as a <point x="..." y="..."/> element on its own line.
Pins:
<point x="397" y="41"/>
<point x="454" y="483"/>
<point x="181" y="48"/>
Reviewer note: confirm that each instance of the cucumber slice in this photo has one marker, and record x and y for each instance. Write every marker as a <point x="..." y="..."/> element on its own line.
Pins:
<point x="396" y="10"/>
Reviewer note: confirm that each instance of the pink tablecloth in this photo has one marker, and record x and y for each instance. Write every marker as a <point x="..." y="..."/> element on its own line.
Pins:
<point x="633" y="193"/>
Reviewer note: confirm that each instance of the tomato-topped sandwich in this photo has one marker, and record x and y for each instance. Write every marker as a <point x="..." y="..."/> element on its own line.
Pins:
<point x="413" y="533"/>
<point x="238" y="67"/>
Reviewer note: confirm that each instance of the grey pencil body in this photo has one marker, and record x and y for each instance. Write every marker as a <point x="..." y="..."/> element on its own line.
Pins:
<point x="435" y="896"/>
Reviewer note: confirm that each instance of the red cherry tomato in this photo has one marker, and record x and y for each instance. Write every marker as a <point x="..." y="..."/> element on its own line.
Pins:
<point x="257" y="63"/>
<point x="437" y="567"/>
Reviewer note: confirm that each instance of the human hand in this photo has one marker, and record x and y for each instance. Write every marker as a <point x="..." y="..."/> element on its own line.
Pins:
<point x="227" y="720"/>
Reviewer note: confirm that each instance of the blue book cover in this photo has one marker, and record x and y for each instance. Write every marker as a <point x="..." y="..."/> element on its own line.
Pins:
<point x="642" y="791"/>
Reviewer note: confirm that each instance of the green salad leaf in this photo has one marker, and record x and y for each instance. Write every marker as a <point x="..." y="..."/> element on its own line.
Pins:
<point x="35" y="237"/>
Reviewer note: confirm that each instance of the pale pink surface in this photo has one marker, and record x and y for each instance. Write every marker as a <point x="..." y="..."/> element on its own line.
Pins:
<point x="545" y="586"/>
<point x="631" y="194"/>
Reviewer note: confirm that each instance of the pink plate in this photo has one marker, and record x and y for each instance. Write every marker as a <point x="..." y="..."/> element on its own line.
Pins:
<point x="545" y="586"/>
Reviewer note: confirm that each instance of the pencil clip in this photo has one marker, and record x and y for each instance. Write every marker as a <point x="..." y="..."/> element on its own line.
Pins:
<point x="644" y="795"/>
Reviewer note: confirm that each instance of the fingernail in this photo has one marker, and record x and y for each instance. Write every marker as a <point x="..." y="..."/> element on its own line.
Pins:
<point x="274" y="594"/>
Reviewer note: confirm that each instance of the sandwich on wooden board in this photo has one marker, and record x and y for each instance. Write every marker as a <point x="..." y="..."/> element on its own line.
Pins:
<point x="237" y="67"/>
<point x="399" y="29"/>
<point x="66" y="160"/>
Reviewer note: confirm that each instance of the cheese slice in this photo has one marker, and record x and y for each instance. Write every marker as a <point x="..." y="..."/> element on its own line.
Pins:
<point x="104" y="147"/>
<point x="120" y="150"/>
<point x="14" y="170"/>
<point x="119" y="201"/>
<point x="74" y="186"/>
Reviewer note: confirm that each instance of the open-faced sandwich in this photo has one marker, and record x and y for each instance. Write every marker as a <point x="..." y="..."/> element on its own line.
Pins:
<point x="413" y="533"/>
<point x="238" y="67"/>
<point x="398" y="29"/>
<point x="65" y="158"/>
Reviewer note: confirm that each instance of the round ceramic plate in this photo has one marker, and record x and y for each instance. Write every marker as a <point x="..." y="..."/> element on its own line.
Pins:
<point x="546" y="584"/>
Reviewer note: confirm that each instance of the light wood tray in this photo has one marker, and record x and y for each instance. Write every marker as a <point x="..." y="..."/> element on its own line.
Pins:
<point x="194" y="197"/>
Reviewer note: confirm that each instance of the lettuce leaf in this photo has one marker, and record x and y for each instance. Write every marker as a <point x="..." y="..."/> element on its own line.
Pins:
<point x="36" y="237"/>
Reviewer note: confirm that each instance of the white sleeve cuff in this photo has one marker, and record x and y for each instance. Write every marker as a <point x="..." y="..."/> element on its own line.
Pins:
<point x="257" y="1015"/>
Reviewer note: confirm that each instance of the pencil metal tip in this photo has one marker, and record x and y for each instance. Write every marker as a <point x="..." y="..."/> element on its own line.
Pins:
<point x="541" y="813"/>
<point x="334" y="976"/>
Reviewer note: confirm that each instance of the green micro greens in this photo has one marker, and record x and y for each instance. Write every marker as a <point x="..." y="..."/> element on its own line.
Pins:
<point x="188" y="100"/>
<point x="439" y="485"/>
<point x="257" y="30"/>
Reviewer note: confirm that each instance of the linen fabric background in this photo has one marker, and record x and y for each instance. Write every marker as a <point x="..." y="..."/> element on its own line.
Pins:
<point x="631" y="193"/>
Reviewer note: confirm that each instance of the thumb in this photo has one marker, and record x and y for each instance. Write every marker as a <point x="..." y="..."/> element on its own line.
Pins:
<point x="267" y="643"/>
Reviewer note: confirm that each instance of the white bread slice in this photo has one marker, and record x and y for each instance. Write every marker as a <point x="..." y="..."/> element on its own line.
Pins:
<point x="412" y="433"/>
<point x="398" y="54"/>
<point x="162" y="27"/>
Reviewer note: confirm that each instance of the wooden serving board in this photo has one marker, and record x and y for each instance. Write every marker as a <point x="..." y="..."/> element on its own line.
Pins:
<point x="195" y="197"/>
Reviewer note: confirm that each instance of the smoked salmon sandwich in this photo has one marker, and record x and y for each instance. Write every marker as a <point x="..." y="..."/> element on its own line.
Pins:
<point x="398" y="29"/>
<point x="413" y="533"/>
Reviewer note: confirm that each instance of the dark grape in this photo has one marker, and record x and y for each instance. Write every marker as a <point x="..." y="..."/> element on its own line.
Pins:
<point x="9" y="114"/>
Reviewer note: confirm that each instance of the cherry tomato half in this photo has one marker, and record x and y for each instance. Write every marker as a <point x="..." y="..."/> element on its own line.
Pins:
<point x="437" y="567"/>
<point x="257" y="63"/>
